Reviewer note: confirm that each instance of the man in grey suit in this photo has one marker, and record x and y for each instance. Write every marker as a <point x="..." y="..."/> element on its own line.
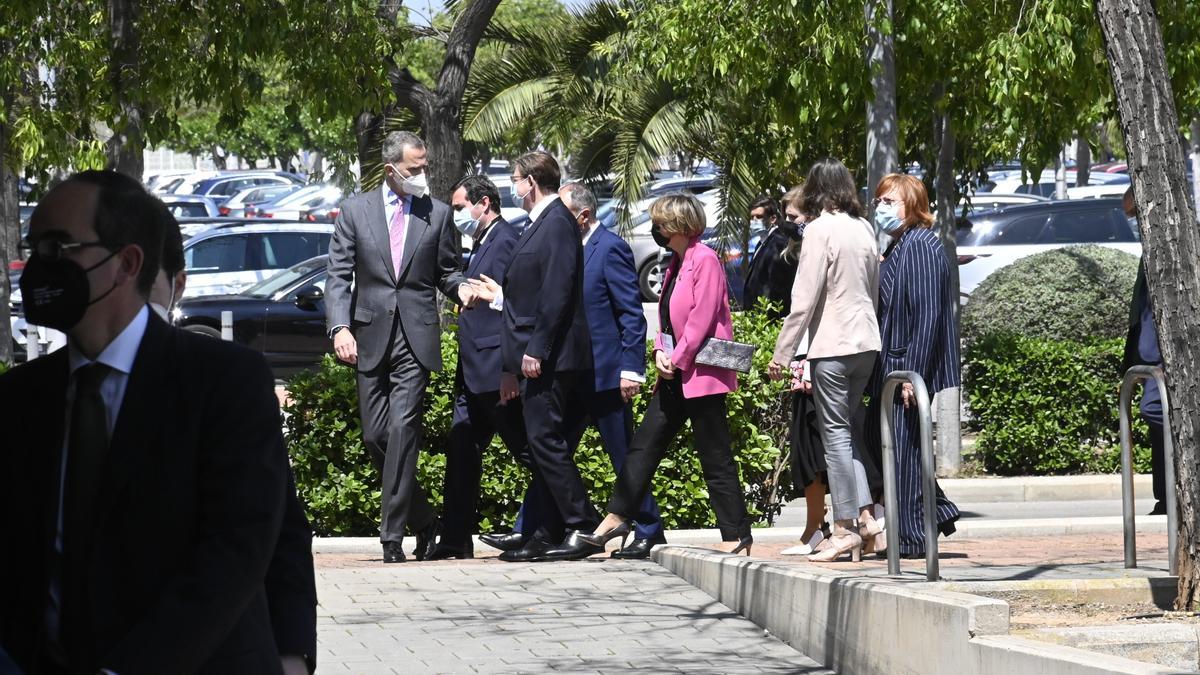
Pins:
<point x="392" y="249"/>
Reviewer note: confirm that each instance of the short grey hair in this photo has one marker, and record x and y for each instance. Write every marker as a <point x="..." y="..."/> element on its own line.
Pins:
<point x="579" y="197"/>
<point x="395" y="142"/>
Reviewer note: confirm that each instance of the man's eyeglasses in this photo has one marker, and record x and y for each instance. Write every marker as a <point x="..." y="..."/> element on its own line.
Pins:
<point x="53" y="249"/>
<point x="884" y="200"/>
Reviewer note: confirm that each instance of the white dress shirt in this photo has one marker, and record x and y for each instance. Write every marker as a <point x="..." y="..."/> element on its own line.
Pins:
<point x="538" y="209"/>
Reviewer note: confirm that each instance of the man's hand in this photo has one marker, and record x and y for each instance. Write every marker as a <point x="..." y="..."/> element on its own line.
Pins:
<point x="508" y="388"/>
<point x="629" y="389"/>
<point x="345" y="346"/>
<point x="666" y="369"/>
<point x="466" y="295"/>
<point x="293" y="665"/>
<point x="776" y="370"/>
<point x="907" y="395"/>
<point x="484" y="288"/>
<point x="531" y="367"/>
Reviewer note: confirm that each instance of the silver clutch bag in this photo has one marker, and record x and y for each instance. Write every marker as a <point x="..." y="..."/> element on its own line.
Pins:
<point x="720" y="353"/>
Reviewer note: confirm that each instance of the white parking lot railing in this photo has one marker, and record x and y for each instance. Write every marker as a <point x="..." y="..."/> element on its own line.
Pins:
<point x="928" y="479"/>
<point x="1133" y="377"/>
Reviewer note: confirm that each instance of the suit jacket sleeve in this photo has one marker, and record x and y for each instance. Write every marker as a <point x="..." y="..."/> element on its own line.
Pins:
<point x="291" y="583"/>
<point x="560" y="255"/>
<point x="708" y="282"/>
<point x="241" y="476"/>
<point x="926" y="276"/>
<point x="450" y="275"/>
<point x="621" y="275"/>
<point x="806" y="293"/>
<point x="342" y="252"/>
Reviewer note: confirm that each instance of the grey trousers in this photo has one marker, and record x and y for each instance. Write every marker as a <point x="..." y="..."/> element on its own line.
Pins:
<point x="838" y="385"/>
<point x="390" y="399"/>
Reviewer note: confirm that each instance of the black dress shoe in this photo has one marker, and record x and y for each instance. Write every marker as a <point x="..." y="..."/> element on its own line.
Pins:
<point x="392" y="553"/>
<point x="505" y="542"/>
<point x="427" y="540"/>
<point x="1160" y="509"/>
<point x="639" y="549"/>
<point x="573" y="547"/>
<point x="533" y="551"/>
<point x="447" y="551"/>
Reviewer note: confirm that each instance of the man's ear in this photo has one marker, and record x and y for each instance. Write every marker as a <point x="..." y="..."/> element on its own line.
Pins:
<point x="180" y="284"/>
<point x="132" y="258"/>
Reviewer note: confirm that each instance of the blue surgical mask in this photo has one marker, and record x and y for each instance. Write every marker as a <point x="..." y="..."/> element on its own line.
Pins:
<point x="465" y="223"/>
<point x="886" y="218"/>
<point x="757" y="226"/>
<point x="517" y="197"/>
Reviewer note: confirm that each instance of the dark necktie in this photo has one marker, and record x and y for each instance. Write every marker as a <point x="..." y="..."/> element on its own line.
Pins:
<point x="86" y="448"/>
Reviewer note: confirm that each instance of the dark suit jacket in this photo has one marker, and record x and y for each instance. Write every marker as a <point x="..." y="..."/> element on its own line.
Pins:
<point x="917" y="322"/>
<point x="291" y="583"/>
<point x="543" y="296"/>
<point x="360" y="252"/>
<point x="613" y="303"/>
<point x="1141" y="345"/>
<point x="770" y="275"/>
<point x="479" y="328"/>
<point x="188" y="514"/>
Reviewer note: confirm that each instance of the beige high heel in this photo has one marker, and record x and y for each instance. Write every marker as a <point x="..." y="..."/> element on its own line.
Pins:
<point x="839" y="545"/>
<point x="873" y="536"/>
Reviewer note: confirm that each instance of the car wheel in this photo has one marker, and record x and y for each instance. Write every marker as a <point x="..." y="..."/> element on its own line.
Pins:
<point x="201" y="329"/>
<point x="650" y="279"/>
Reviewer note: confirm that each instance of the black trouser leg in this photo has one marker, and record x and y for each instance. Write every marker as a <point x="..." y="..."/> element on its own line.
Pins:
<point x="710" y="429"/>
<point x="662" y="421"/>
<point x="470" y="434"/>
<point x="545" y="400"/>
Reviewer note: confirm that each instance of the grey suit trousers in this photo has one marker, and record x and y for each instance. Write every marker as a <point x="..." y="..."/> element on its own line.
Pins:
<point x="838" y="385"/>
<point x="390" y="399"/>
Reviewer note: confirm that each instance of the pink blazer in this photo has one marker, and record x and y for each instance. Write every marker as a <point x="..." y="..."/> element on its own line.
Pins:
<point x="699" y="310"/>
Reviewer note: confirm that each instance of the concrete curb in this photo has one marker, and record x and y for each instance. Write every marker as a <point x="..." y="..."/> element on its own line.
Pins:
<point x="1040" y="488"/>
<point x="968" y="529"/>
<point x="871" y="626"/>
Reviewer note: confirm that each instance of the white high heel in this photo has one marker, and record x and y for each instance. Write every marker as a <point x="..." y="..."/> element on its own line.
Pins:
<point x="807" y="548"/>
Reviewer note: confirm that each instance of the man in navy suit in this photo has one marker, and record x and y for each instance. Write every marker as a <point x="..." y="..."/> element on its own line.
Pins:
<point x="545" y="346"/>
<point x="481" y="408"/>
<point x="613" y="305"/>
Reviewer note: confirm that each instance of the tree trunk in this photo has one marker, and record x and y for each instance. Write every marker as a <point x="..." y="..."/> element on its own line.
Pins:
<point x="368" y="128"/>
<point x="124" y="149"/>
<point x="949" y="407"/>
<point x="1170" y="240"/>
<point x="883" y="154"/>
<point x="1083" y="161"/>
<point x="1060" y="175"/>
<point x="10" y="234"/>
<point x="443" y="138"/>
<point x="219" y="158"/>
<point x="1196" y="163"/>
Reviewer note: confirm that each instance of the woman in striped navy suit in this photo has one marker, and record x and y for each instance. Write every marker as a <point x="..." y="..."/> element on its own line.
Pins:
<point x="919" y="331"/>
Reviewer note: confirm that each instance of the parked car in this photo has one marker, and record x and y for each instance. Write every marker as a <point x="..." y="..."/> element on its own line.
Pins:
<point x="190" y="206"/>
<point x="988" y="201"/>
<point x="226" y="184"/>
<point x="283" y="317"/>
<point x="292" y="206"/>
<point x="1045" y="185"/>
<point x="993" y="239"/>
<point x="235" y="206"/>
<point x="231" y="258"/>
<point x="181" y="183"/>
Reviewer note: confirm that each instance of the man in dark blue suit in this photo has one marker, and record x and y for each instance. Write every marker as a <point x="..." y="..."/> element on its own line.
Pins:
<point x="545" y="346"/>
<point x="481" y="408"/>
<point x="618" y="327"/>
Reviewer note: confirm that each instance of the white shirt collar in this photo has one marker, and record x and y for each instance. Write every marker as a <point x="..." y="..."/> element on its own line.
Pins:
<point x="390" y="198"/>
<point x="121" y="352"/>
<point x="591" y="230"/>
<point x="541" y="207"/>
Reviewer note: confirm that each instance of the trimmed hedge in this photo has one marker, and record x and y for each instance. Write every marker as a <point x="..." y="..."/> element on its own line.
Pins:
<point x="340" y="486"/>
<point x="1074" y="293"/>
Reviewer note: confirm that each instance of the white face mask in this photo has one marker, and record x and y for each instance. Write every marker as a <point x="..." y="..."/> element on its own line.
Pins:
<point x="416" y="185"/>
<point x="465" y="222"/>
<point x="164" y="313"/>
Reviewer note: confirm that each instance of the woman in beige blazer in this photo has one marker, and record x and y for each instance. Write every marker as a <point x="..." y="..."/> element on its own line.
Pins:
<point x="833" y="298"/>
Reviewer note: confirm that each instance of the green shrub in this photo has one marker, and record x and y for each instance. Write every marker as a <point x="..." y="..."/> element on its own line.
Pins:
<point x="1073" y="293"/>
<point x="340" y="486"/>
<point x="1046" y="406"/>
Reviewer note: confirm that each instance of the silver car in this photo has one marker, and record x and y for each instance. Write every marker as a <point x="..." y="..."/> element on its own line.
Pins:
<point x="227" y="260"/>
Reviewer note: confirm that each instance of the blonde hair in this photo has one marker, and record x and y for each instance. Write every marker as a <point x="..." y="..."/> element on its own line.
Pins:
<point x="678" y="213"/>
<point x="794" y="197"/>
<point x="912" y="193"/>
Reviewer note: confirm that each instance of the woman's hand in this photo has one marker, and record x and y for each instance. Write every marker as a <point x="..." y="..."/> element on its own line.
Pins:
<point x="666" y="369"/>
<point x="907" y="395"/>
<point x="776" y="371"/>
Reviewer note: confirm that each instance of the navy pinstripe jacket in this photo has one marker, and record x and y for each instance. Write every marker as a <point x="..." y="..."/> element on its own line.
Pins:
<point x="917" y="321"/>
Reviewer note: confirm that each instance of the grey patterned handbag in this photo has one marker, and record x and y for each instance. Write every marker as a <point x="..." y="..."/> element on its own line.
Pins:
<point x="719" y="353"/>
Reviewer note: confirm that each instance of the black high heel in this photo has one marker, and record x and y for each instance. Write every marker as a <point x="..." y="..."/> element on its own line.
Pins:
<point x="744" y="544"/>
<point x="601" y="539"/>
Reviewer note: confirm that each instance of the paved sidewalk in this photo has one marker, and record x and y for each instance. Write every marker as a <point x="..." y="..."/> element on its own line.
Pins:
<point x="492" y="617"/>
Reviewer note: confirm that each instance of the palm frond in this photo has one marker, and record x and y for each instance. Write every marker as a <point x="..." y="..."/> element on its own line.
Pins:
<point x="508" y="107"/>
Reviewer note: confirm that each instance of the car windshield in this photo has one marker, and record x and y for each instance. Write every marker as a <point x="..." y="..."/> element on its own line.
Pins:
<point x="272" y="285"/>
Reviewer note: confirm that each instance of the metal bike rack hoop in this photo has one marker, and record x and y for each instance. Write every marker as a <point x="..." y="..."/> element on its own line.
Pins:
<point x="928" y="477"/>
<point x="1133" y="377"/>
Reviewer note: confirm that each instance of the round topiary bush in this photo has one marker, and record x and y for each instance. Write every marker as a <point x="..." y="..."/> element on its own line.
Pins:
<point x="1075" y="293"/>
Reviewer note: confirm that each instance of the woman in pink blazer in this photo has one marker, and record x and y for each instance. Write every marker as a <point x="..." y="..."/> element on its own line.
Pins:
<point x="694" y="307"/>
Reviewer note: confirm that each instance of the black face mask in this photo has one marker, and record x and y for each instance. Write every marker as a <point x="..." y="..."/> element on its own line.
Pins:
<point x="659" y="238"/>
<point x="55" y="292"/>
